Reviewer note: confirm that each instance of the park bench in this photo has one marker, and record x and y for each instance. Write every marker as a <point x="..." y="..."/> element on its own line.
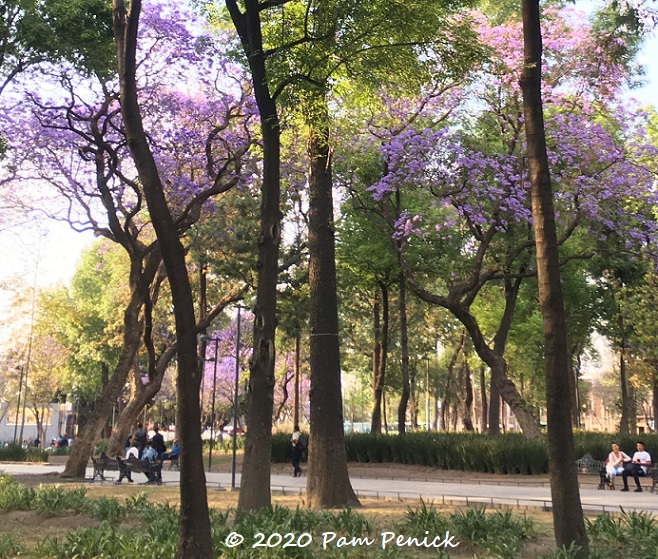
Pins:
<point x="588" y="465"/>
<point x="152" y="470"/>
<point x="173" y="462"/>
<point x="102" y="464"/>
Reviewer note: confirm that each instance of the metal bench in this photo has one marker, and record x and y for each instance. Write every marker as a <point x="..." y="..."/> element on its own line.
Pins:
<point x="152" y="470"/>
<point x="103" y="463"/>
<point x="588" y="465"/>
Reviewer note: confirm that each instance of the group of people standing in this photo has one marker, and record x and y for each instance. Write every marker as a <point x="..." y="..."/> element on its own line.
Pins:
<point x="620" y="463"/>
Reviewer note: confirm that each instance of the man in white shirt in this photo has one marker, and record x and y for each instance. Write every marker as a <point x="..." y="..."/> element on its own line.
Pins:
<point x="131" y="452"/>
<point x="638" y="467"/>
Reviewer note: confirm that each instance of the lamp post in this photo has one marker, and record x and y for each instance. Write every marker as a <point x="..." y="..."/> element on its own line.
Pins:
<point x="212" y="400"/>
<point x="427" y="392"/>
<point x="235" y="399"/>
<point x="18" y="404"/>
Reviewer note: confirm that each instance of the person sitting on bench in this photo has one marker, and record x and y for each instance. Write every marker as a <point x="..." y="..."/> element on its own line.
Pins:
<point x="615" y="464"/>
<point x="638" y="467"/>
<point x="150" y="456"/>
<point x="132" y="451"/>
<point x="173" y="455"/>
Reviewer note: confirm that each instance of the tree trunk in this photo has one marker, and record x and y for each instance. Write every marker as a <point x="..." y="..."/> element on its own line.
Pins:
<point x="295" y="418"/>
<point x="375" y="416"/>
<point x="413" y="396"/>
<point x="483" y="397"/>
<point x="448" y="390"/>
<point x="575" y="353"/>
<point x="466" y="388"/>
<point x="379" y="376"/>
<point x="328" y="484"/>
<point x="143" y="393"/>
<point x="140" y="281"/>
<point x="627" y="423"/>
<point x="568" y="518"/>
<point x="654" y="396"/>
<point x="255" y="484"/>
<point x="436" y="410"/>
<point x="498" y="367"/>
<point x="194" y="524"/>
<point x="404" y="350"/>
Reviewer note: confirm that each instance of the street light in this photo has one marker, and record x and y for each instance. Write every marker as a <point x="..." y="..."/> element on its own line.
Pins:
<point x="18" y="404"/>
<point x="212" y="404"/>
<point x="427" y="393"/>
<point x="235" y="399"/>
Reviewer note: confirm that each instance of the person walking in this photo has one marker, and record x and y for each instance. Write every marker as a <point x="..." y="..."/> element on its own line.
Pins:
<point x="298" y="446"/>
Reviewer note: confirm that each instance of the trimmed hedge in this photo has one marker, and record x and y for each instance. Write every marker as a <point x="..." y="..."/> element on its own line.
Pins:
<point x="16" y="453"/>
<point x="510" y="453"/>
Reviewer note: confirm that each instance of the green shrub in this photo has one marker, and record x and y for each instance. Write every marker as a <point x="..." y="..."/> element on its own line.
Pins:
<point x="13" y="452"/>
<point x="10" y="546"/>
<point x="509" y="453"/>
<point x="105" y="508"/>
<point x="55" y="499"/>
<point x="281" y="448"/>
<point x="61" y="451"/>
<point x="35" y="454"/>
<point x="14" y="496"/>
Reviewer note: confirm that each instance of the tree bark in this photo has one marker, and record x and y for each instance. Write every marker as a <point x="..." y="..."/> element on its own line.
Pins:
<point x="627" y="422"/>
<point x="139" y="280"/>
<point x="298" y="344"/>
<point x="328" y="484"/>
<point x="466" y="392"/>
<point x="568" y="518"/>
<point x="483" y="397"/>
<point x="194" y="524"/>
<point x="404" y="350"/>
<point x="143" y="393"/>
<point x="379" y="362"/>
<point x="255" y="490"/>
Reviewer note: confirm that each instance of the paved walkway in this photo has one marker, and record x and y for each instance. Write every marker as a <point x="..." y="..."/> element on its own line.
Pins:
<point x="481" y="492"/>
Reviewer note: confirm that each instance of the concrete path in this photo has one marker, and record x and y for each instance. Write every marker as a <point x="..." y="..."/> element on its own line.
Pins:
<point x="482" y="492"/>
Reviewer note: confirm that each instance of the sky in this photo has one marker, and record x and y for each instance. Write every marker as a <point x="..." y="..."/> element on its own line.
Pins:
<point x="46" y="254"/>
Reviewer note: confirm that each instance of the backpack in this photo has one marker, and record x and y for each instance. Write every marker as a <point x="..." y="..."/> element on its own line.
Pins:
<point x="301" y="443"/>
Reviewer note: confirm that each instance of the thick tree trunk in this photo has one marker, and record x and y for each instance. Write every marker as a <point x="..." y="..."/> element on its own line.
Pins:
<point x="143" y="393"/>
<point x="404" y="350"/>
<point x="328" y="484"/>
<point x="568" y="518"/>
<point x="194" y="524"/>
<point x="498" y="367"/>
<point x="140" y="280"/>
<point x="255" y="484"/>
